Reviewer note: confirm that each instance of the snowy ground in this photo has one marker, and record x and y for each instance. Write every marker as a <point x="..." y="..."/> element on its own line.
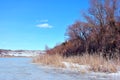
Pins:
<point x="22" y="53"/>
<point x="22" y="69"/>
<point x="85" y="69"/>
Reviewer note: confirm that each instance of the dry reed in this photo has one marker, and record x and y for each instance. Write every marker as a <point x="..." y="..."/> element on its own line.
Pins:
<point x="97" y="63"/>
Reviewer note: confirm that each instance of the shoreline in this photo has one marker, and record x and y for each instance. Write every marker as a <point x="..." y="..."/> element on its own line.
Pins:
<point x="91" y="74"/>
<point x="85" y="63"/>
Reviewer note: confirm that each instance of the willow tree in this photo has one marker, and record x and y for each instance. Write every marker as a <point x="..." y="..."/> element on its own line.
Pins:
<point x="100" y="31"/>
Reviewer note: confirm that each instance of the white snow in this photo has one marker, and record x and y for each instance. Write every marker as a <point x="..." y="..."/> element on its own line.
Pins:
<point x="22" y="69"/>
<point x="115" y="75"/>
<point x="22" y="53"/>
<point x="77" y="67"/>
<point x="91" y="74"/>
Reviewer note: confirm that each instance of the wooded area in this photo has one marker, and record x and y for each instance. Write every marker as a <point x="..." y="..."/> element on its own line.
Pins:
<point x="98" y="32"/>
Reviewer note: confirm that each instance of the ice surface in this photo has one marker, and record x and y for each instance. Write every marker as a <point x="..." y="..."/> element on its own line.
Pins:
<point x="23" y="69"/>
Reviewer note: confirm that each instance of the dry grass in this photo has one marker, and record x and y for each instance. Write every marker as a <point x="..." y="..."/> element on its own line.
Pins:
<point x="53" y="60"/>
<point x="96" y="63"/>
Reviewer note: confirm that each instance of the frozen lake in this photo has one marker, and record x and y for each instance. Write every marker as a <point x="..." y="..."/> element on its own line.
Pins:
<point x="23" y="69"/>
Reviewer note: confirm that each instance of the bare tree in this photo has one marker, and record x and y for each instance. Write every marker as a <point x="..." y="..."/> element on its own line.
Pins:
<point x="101" y="30"/>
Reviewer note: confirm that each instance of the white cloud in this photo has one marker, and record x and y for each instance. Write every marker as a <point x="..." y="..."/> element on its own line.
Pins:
<point x="44" y="25"/>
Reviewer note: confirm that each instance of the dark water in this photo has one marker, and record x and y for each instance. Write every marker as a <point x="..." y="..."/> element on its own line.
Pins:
<point x="23" y="69"/>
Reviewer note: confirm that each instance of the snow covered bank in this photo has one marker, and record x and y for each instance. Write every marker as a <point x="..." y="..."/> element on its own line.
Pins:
<point x="91" y="65"/>
<point x="77" y="67"/>
<point x="21" y="53"/>
<point x="85" y="68"/>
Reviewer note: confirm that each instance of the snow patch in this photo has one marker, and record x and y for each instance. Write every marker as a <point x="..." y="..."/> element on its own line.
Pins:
<point x="85" y="68"/>
<point x="75" y="66"/>
<point x="116" y="76"/>
<point x="22" y="53"/>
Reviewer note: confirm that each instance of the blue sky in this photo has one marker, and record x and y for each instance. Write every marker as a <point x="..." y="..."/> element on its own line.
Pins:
<point x="32" y="24"/>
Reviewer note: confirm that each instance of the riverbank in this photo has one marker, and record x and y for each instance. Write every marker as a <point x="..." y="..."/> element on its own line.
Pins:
<point x="85" y="63"/>
<point x="23" y="69"/>
<point x="20" y="53"/>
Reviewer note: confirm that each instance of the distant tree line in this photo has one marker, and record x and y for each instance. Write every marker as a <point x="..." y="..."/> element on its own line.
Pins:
<point x="98" y="32"/>
<point x="4" y="51"/>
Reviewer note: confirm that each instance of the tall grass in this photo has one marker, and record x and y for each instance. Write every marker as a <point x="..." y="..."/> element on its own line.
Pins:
<point x="96" y="62"/>
<point x="53" y="60"/>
